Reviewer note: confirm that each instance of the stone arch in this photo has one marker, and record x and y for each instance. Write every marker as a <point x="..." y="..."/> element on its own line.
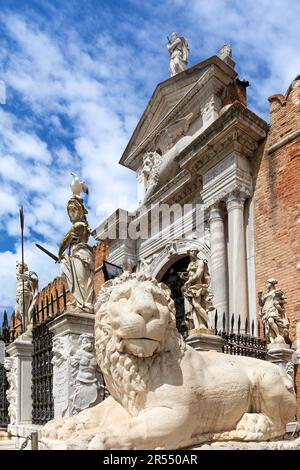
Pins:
<point x="174" y="251"/>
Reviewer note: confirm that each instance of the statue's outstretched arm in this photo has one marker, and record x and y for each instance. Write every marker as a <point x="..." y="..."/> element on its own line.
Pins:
<point x="65" y="243"/>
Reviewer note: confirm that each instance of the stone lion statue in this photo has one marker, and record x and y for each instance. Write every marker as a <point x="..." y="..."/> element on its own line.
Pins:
<point x="164" y="394"/>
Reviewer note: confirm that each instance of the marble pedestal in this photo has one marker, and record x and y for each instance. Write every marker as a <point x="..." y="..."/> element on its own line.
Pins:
<point x="67" y="329"/>
<point x="21" y="353"/>
<point x="205" y="340"/>
<point x="280" y="354"/>
<point x="21" y="349"/>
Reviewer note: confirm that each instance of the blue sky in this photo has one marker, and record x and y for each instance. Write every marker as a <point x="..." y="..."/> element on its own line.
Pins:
<point x="78" y="76"/>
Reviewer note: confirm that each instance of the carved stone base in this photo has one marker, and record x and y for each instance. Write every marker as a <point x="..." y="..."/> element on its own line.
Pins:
<point x="21" y="349"/>
<point x="280" y="355"/>
<point x="205" y="342"/>
<point x="76" y="377"/>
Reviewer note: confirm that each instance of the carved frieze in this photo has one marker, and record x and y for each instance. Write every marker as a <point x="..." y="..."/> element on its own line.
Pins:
<point x="84" y="371"/>
<point x="10" y="365"/>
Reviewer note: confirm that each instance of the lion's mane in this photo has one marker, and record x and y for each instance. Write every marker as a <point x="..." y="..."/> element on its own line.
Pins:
<point x="125" y="374"/>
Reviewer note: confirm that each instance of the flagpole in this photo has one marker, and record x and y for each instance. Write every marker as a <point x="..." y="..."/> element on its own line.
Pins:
<point x="22" y="248"/>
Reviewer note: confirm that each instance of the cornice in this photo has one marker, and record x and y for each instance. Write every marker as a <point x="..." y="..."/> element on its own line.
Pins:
<point x="237" y="129"/>
<point x="209" y="77"/>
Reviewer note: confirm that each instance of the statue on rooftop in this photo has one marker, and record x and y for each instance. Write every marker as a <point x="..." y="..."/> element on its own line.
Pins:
<point x="179" y="51"/>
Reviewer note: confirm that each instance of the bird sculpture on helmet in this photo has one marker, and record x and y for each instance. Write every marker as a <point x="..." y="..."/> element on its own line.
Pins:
<point x="78" y="186"/>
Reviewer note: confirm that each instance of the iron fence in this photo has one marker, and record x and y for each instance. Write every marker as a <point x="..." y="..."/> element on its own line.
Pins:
<point x="42" y="374"/>
<point x="240" y="339"/>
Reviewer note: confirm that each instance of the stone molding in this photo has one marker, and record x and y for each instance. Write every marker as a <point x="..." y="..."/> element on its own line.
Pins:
<point x="237" y="129"/>
<point x="236" y="199"/>
<point x="174" y="250"/>
<point x="212" y="76"/>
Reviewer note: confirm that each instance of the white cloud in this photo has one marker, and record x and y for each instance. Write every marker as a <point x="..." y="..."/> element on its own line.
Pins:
<point x="37" y="262"/>
<point x="80" y="101"/>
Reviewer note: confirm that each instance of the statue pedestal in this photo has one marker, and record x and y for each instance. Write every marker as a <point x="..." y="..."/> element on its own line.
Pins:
<point x="205" y="340"/>
<point x="280" y="354"/>
<point x="22" y="349"/>
<point x="68" y="328"/>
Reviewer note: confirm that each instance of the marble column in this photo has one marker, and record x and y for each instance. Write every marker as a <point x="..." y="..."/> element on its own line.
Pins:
<point x="218" y="261"/>
<point x="237" y="265"/>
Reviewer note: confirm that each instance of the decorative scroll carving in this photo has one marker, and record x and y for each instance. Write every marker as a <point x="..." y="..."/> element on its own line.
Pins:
<point x="10" y="365"/>
<point x="60" y="375"/>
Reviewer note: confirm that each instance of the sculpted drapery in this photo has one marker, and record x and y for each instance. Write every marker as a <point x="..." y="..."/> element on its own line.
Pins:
<point x="77" y="267"/>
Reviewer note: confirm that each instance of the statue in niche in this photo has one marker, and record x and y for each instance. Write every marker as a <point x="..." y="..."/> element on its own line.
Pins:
<point x="273" y="313"/>
<point x="197" y="291"/>
<point x="77" y="267"/>
<point x="150" y="172"/>
<point x="179" y="52"/>
<point x="84" y="371"/>
<point x="28" y="281"/>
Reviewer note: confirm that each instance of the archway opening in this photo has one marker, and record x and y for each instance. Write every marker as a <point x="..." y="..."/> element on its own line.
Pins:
<point x="172" y="279"/>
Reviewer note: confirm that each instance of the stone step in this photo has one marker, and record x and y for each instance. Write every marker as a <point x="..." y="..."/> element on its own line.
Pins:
<point x="7" y="444"/>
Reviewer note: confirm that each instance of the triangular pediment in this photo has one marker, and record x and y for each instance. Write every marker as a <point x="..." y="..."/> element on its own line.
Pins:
<point x="165" y="98"/>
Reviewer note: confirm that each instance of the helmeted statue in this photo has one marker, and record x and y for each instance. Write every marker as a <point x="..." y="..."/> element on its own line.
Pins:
<point x="77" y="267"/>
<point x="28" y="281"/>
<point x="179" y="51"/>
<point x="273" y="313"/>
<point x="197" y="290"/>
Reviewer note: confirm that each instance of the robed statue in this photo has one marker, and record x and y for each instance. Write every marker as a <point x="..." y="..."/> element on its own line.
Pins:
<point x="197" y="290"/>
<point x="273" y="313"/>
<point x="179" y="52"/>
<point x="76" y="257"/>
<point x="26" y="295"/>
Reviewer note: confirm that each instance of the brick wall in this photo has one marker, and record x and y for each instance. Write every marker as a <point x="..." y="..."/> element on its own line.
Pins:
<point x="277" y="203"/>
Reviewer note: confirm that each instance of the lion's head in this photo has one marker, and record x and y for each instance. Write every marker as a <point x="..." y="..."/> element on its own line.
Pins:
<point x="135" y="328"/>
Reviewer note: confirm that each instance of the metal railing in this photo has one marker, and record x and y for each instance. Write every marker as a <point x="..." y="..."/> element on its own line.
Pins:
<point x="240" y="339"/>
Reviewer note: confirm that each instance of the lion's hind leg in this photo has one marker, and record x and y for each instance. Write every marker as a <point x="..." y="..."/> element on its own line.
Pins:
<point x="251" y="427"/>
<point x="254" y="427"/>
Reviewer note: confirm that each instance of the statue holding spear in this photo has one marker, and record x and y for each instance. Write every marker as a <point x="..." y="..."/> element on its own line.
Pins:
<point x="26" y="287"/>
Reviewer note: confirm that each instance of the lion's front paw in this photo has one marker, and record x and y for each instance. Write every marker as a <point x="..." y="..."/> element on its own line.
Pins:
<point x="110" y="440"/>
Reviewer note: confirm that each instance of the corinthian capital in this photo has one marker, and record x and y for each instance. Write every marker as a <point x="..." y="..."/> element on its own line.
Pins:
<point x="236" y="199"/>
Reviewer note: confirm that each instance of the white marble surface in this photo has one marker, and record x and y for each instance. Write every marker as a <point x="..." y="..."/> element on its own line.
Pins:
<point x="165" y="394"/>
<point x="21" y="349"/>
<point x="237" y="268"/>
<point x="218" y="261"/>
<point x="76" y="376"/>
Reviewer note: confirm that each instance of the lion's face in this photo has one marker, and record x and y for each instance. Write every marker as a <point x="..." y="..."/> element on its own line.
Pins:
<point x="139" y="315"/>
